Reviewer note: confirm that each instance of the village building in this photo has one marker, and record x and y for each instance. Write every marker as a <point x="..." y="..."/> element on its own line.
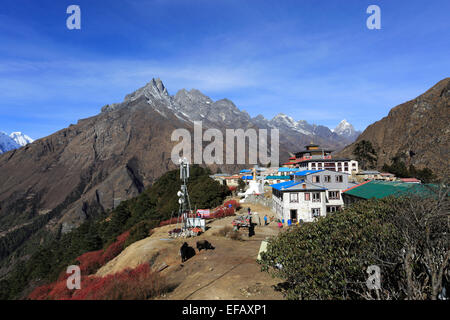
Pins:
<point x="369" y="175"/>
<point x="316" y="158"/>
<point x="379" y="189"/>
<point x="231" y="181"/>
<point x="220" y="177"/>
<point x="375" y="175"/>
<point x="311" y="194"/>
<point x="276" y="179"/>
<point x="386" y="176"/>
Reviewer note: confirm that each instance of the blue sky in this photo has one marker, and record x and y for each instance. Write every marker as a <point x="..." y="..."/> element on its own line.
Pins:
<point x="313" y="60"/>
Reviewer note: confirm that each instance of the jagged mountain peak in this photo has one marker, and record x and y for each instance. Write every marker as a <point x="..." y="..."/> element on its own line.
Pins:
<point x="184" y="96"/>
<point x="285" y="119"/>
<point x="154" y="89"/>
<point x="346" y="129"/>
<point x="343" y="124"/>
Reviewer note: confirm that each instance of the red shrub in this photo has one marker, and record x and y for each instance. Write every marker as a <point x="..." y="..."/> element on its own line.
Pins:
<point x="90" y="261"/>
<point x="124" y="236"/>
<point x="60" y="291"/>
<point x="138" y="283"/>
<point x="41" y="293"/>
<point x="222" y="212"/>
<point x="112" y="251"/>
<point x="234" y="204"/>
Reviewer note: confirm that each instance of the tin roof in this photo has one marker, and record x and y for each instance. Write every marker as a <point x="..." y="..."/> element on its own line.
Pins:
<point x="381" y="189"/>
<point x="283" y="185"/>
<point x="297" y="186"/>
<point x="306" y="172"/>
<point x="284" y="169"/>
<point x="278" y="178"/>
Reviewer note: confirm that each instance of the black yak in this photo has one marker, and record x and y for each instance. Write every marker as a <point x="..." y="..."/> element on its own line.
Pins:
<point x="186" y="252"/>
<point x="204" y="244"/>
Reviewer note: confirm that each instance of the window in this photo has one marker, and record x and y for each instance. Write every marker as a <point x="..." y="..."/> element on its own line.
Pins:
<point x="333" y="208"/>
<point x="316" y="196"/>
<point x="293" y="197"/>
<point x="307" y="196"/>
<point x="333" y="195"/>
<point x="327" y="178"/>
<point x="315" y="212"/>
<point x="339" y="178"/>
<point x="315" y="179"/>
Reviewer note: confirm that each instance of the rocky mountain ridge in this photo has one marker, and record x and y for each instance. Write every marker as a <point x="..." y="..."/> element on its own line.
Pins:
<point x="417" y="131"/>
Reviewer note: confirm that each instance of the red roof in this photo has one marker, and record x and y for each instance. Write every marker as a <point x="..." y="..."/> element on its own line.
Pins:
<point x="232" y="177"/>
<point x="410" y="180"/>
<point x="357" y="185"/>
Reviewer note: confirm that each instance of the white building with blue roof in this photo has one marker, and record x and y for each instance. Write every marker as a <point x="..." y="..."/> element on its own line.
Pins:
<point x="310" y="194"/>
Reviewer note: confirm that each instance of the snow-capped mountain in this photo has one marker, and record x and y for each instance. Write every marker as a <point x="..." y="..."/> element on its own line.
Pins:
<point x="14" y="141"/>
<point x="343" y="131"/>
<point x="6" y="143"/>
<point x="281" y="120"/>
<point x="20" y="138"/>
<point x="346" y="130"/>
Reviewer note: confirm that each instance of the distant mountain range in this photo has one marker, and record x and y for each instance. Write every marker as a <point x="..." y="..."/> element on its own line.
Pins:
<point x="193" y="105"/>
<point x="13" y="141"/>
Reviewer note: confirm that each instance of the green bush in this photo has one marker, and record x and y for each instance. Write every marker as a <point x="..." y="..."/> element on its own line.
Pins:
<point x="328" y="259"/>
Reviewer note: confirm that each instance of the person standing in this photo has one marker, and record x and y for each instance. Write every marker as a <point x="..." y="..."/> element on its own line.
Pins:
<point x="265" y="220"/>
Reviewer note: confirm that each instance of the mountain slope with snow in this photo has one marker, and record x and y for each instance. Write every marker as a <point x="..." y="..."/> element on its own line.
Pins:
<point x="345" y="129"/>
<point x="20" y="138"/>
<point x="6" y="143"/>
<point x="14" y="141"/>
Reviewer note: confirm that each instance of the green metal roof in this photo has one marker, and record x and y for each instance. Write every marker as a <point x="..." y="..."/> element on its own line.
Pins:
<point x="278" y="177"/>
<point x="381" y="189"/>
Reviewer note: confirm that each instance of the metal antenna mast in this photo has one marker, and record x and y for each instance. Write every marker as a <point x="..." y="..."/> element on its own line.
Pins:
<point x="183" y="195"/>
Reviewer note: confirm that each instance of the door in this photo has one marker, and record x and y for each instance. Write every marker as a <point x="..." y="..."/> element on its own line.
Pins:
<point x="294" y="216"/>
